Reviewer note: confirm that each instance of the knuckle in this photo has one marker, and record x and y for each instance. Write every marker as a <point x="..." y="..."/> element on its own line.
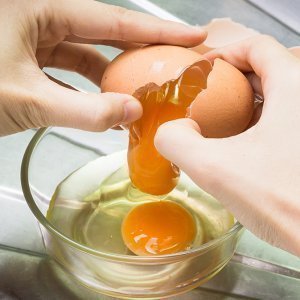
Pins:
<point x="267" y="38"/>
<point x="105" y="116"/>
<point x="51" y="25"/>
<point x="123" y="16"/>
<point x="33" y="111"/>
<point x="85" y="65"/>
<point x="261" y="39"/>
<point x="22" y="108"/>
<point x="120" y="12"/>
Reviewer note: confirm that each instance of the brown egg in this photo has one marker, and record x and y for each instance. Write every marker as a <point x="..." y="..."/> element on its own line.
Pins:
<point x="225" y="108"/>
<point x="222" y="32"/>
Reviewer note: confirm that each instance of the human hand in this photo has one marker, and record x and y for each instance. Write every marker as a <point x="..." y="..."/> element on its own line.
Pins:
<point x="49" y="33"/>
<point x="256" y="174"/>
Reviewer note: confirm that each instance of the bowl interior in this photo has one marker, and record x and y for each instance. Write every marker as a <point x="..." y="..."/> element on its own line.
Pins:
<point x="55" y="153"/>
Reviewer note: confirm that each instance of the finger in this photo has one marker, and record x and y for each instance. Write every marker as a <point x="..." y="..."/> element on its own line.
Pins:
<point x="83" y="59"/>
<point x="256" y="114"/>
<point x="261" y="54"/>
<point x="61" y="106"/>
<point x="295" y="51"/>
<point x="172" y="138"/>
<point x="116" y="127"/>
<point x="123" y="45"/>
<point x="94" y="20"/>
<point x="255" y="82"/>
<point x="202" y="159"/>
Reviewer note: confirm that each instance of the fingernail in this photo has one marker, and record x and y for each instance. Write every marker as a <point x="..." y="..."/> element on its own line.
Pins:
<point x="132" y="111"/>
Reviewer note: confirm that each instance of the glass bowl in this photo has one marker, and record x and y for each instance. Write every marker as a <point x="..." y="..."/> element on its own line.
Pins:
<point x="48" y="159"/>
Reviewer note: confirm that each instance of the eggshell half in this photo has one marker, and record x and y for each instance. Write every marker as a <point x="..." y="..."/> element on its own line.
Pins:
<point x="136" y="68"/>
<point x="225" y="108"/>
<point x="222" y="32"/>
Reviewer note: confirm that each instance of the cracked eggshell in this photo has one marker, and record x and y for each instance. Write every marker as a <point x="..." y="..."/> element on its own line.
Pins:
<point x="225" y="108"/>
<point x="222" y="32"/>
<point x="134" y="69"/>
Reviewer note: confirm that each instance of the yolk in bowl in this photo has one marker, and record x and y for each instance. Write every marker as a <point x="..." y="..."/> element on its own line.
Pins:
<point x="160" y="227"/>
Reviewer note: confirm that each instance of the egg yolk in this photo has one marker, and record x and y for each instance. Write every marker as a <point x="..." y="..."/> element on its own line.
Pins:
<point x="149" y="171"/>
<point x="157" y="228"/>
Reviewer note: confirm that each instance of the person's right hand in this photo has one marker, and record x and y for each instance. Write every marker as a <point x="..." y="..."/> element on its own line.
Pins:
<point x="39" y="33"/>
<point x="256" y="174"/>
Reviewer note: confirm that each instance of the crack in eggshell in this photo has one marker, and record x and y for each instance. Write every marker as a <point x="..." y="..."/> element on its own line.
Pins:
<point x="203" y="65"/>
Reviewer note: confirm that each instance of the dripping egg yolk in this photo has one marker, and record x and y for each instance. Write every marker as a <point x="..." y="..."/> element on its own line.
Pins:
<point x="149" y="171"/>
<point x="157" y="228"/>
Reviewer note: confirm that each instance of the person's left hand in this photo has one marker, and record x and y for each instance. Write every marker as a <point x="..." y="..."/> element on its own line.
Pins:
<point x="39" y="33"/>
<point x="255" y="174"/>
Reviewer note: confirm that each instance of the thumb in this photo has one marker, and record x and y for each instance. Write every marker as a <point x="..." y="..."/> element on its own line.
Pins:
<point x="204" y="160"/>
<point x="64" y="107"/>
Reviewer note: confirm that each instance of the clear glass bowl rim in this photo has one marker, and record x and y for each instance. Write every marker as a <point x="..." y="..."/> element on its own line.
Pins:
<point x="39" y="135"/>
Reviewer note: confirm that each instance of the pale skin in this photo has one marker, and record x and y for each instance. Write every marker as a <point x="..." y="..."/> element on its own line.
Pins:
<point x="256" y="174"/>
